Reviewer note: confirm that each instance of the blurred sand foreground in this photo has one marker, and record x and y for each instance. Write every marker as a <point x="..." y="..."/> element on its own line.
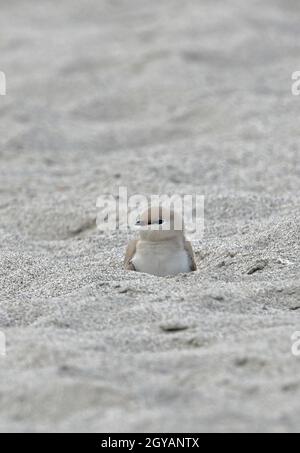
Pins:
<point x="160" y="97"/>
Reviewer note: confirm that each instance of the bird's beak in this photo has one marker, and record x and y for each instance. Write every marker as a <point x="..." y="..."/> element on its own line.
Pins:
<point x="139" y="224"/>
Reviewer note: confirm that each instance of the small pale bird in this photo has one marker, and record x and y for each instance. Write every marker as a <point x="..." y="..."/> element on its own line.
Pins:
<point x="162" y="248"/>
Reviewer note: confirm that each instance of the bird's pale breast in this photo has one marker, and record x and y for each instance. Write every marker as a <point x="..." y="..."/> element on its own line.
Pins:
<point x="161" y="259"/>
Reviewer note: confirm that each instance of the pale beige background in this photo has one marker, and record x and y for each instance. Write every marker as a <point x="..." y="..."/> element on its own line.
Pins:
<point x="160" y="96"/>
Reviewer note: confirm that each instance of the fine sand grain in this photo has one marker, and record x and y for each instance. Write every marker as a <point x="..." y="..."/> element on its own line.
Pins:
<point x="161" y="97"/>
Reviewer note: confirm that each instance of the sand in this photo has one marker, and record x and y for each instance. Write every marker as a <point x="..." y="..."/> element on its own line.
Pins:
<point x="161" y="97"/>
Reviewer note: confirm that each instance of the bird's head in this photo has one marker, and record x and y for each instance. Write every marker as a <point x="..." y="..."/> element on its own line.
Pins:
<point x="159" y="224"/>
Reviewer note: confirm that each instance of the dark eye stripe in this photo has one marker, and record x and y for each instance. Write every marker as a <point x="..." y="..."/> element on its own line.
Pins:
<point x="159" y="222"/>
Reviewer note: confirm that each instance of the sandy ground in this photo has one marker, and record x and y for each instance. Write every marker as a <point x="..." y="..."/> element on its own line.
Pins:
<point x="161" y="97"/>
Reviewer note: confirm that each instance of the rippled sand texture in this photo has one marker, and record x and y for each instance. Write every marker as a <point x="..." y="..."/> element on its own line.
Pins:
<point x="160" y="97"/>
